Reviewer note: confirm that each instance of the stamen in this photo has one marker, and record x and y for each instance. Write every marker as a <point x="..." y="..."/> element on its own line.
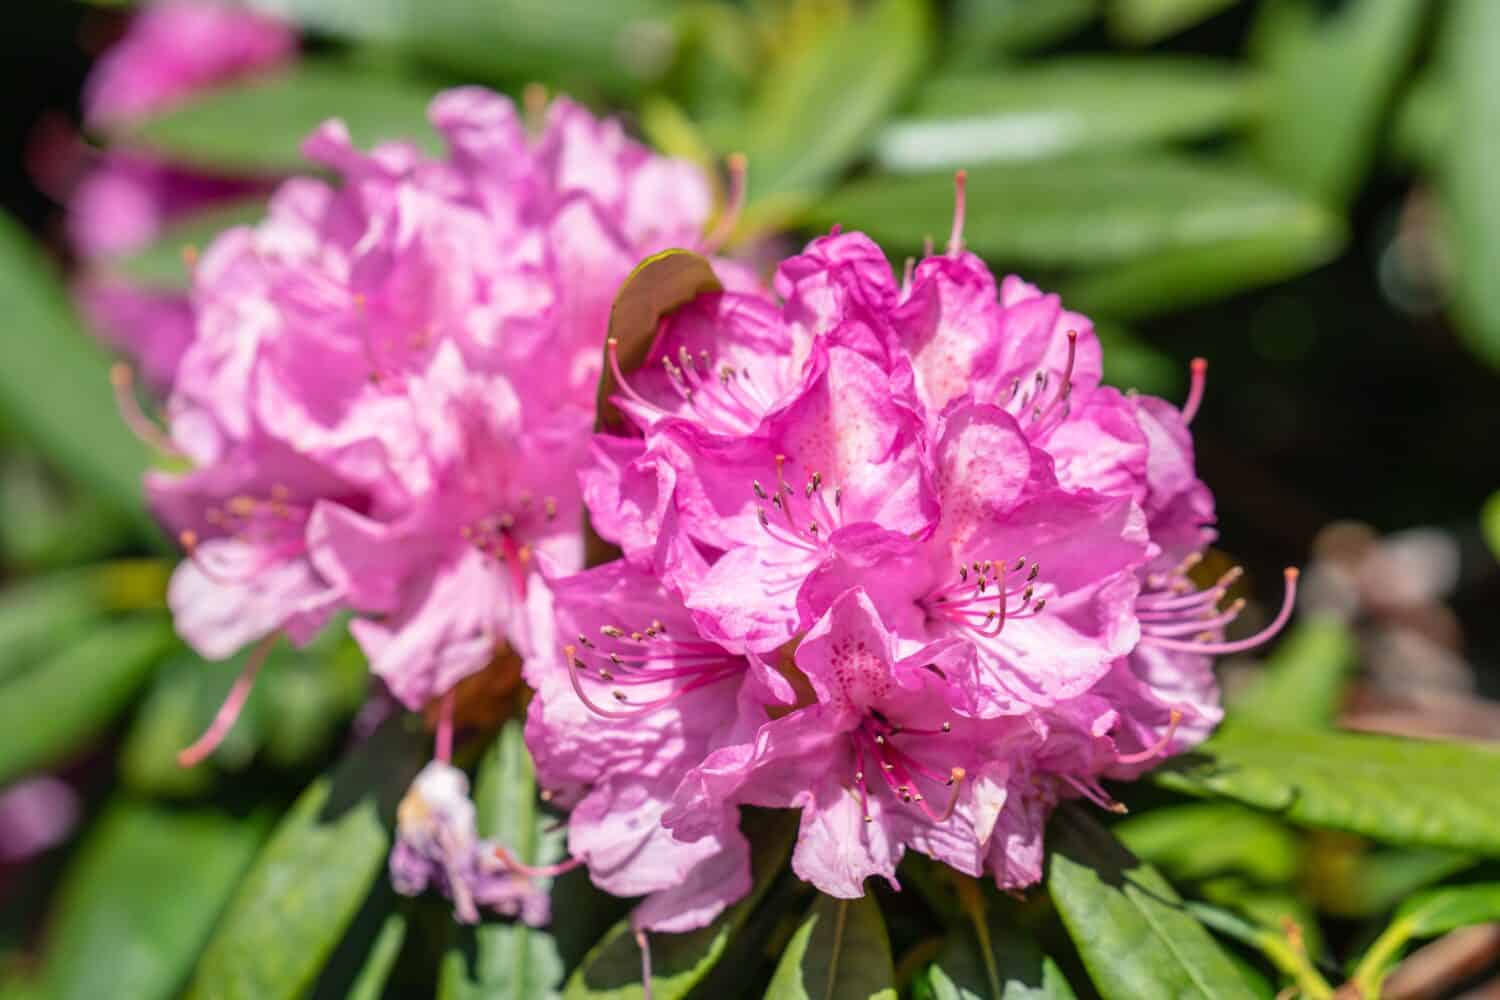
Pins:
<point x="1157" y="749"/>
<point x="444" y="748"/>
<point x="644" y="945"/>
<point x="1289" y="599"/>
<point x="229" y="711"/>
<point x="956" y="235"/>
<point x="121" y="377"/>
<point x="535" y="871"/>
<point x="1199" y="368"/>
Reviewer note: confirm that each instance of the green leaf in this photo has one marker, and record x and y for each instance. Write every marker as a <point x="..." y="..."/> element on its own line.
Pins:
<point x="1132" y="363"/>
<point x="1347" y="880"/>
<point x="1142" y="22"/>
<point x="258" y="126"/>
<point x="1179" y="277"/>
<point x="161" y="265"/>
<point x="1133" y="933"/>
<point x="46" y="523"/>
<point x="51" y="710"/>
<point x="1489" y="523"/>
<point x="140" y="898"/>
<point x="981" y="28"/>
<point x="370" y="983"/>
<point x="1302" y="684"/>
<point x="1424" y="122"/>
<point x="1332" y="71"/>
<point x="1385" y="788"/>
<point x="612" y="969"/>
<point x="1437" y="911"/>
<point x="307" y="885"/>
<point x="1016" y="969"/>
<point x="1201" y="839"/>
<point x="840" y="952"/>
<point x="1065" y="107"/>
<point x="41" y="614"/>
<point x="1467" y="179"/>
<point x="619" y="46"/>
<point x="509" y="960"/>
<point x="1292" y="961"/>
<point x="56" y="388"/>
<point x="1087" y="213"/>
<point x="813" y="117"/>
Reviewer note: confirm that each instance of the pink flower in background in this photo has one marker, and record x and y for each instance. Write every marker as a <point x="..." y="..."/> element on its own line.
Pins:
<point x="951" y="572"/>
<point x="389" y="389"/>
<point x="124" y="199"/>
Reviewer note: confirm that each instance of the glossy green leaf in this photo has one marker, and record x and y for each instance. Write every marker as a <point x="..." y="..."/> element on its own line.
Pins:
<point x="1467" y="178"/>
<point x="1271" y="942"/>
<point x="1302" y="684"/>
<point x="1090" y="212"/>
<point x="1489" y="523"/>
<point x="1201" y="839"/>
<point x="1424" y="121"/>
<point x="612" y="969"/>
<point x="1434" y="912"/>
<point x="980" y="29"/>
<point x="258" y="126"/>
<point x="56" y="388"/>
<point x="1014" y="969"/>
<point x="1179" y="278"/>
<point x="1064" y="107"/>
<point x="1133" y="933"/>
<point x="47" y="523"/>
<point x="508" y="960"/>
<point x="140" y="899"/>
<point x="1332" y="70"/>
<point x="813" y="117"/>
<point x="1143" y="22"/>
<point x="370" y="983"/>
<point x="619" y="46"/>
<point x="1358" y="882"/>
<point x="307" y="885"/>
<point x="52" y="710"/>
<point x="839" y="952"/>
<point x="1389" y="789"/>
<point x="163" y="263"/>
<point x="41" y="615"/>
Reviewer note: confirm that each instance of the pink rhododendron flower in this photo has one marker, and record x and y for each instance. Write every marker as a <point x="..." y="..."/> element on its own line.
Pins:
<point x="926" y="577"/>
<point x="390" y="387"/>
<point x="124" y="198"/>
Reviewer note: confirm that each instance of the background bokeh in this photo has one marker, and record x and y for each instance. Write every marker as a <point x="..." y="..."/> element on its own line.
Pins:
<point x="1301" y="191"/>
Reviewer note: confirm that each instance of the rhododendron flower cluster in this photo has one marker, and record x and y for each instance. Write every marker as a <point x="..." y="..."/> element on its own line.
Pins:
<point x="892" y="557"/>
<point x="125" y="197"/>
<point x="387" y="394"/>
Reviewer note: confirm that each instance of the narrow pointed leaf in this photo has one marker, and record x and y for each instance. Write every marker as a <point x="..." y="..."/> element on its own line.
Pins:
<point x="1064" y="107"/>
<point x="53" y="709"/>
<point x="305" y="887"/>
<point x="258" y="126"/>
<point x="1303" y="683"/>
<point x="839" y="952"/>
<point x="1332" y="70"/>
<point x="1143" y="22"/>
<point x="1467" y="178"/>
<point x="140" y="899"/>
<point x="1201" y="839"/>
<point x="370" y="983"/>
<point x="1134" y="934"/>
<point x="1015" y="968"/>
<point x="612" y="969"/>
<point x="813" y="117"/>
<point x="56" y="389"/>
<point x="980" y="29"/>
<point x="1429" y="914"/>
<point x="1385" y="788"/>
<point x="506" y="960"/>
<point x="1090" y="212"/>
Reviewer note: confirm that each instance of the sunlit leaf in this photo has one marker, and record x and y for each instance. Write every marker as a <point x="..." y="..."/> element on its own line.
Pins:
<point x="56" y="388"/>
<point x="1143" y="22"/>
<point x="839" y="952"/>
<point x="980" y="29"/>
<point x="1201" y="839"/>
<point x="1133" y="933"/>
<point x="1394" y="790"/>
<point x="304" y="888"/>
<point x="1014" y="969"/>
<point x="1468" y="181"/>
<point x="53" y="709"/>
<point x="1331" y="71"/>
<point x="258" y="126"/>
<point x="140" y="899"/>
<point x="1302" y="683"/>
<point x="1434" y="912"/>
<point x="1064" y="107"/>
